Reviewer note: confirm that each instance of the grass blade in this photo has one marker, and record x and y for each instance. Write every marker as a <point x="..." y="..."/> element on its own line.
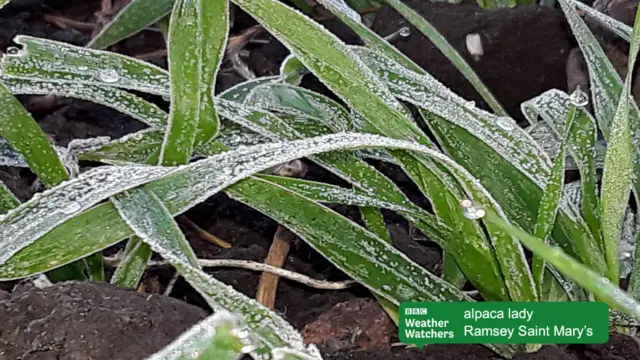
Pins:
<point x="550" y="202"/>
<point x="135" y="17"/>
<point x="448" y="51"/>
<point x="145" y="213"/>
<point x="619" y="28"/>
<point x="122" y="101"/>
<point x="197" y="38"/>
<point x="219" y="336"/>
<point x="617" y="175"/>
<point x="136" y="256"/>
<point x="8" y="201"/>
<point x="23" y="134"/>
<point x="600" y="286"/>
<point x="52" y="61"/>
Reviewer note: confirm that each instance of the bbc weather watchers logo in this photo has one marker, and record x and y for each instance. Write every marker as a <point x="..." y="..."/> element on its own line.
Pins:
<point x="415" y="311"/>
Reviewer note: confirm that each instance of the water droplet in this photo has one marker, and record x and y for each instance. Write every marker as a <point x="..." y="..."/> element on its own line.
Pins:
<point x="247" y="349"/>
<point x="404" y="32"/>
<point x="626" y="255"/>
<point x="14" y="51"/>
<point x="109" y="76"/>
<point x="505" y="123"/>
<point x="471" y="210"/>
<point x="470" y="105"/>
<point x="579" y="97"/>
<point x="83" y="68"/>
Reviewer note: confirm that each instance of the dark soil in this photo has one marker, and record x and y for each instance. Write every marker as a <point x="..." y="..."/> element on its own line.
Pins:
<point x="525" y="54"/>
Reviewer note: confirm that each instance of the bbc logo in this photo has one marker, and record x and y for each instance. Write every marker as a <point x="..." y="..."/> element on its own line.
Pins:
<point x="415" y="311"/>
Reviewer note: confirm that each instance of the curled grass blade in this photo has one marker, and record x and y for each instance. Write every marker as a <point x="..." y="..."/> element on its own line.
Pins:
<point x="617" y="175"/>
<point x="146" y="214"/>
<point x="197" y="38"/>
<point x="448" y="51"/>
<point x="135" y="17"/>
<point x="220" y="336"/>
<point x="603" y="288"/>
<point x="24" y="135"/>
<point x="550" y="202"/>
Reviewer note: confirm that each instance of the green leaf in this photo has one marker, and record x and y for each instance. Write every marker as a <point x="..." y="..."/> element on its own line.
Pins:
<point x="8" y="201"/>
<point x="122" y="101"/>
<point x="550" y="202"/>
<point x="617" y="175"/>
<point x="448" y="51"/>
<point x="619" y="28"/>
<point x="220" y="336"/>
<point x="600" y="286"/>
<point x="552" y="107"/>
<point x="145" y="213"/>
<point x="52" y="61"/>
<point x="134" y="263"/>
<point x="3" y="3"/>
<point x="197" y="38"/>
<point x="23" y="134"/>
<point x="135" y="17"/>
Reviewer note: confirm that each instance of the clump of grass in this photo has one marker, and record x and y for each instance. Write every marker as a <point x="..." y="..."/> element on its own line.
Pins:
<point x="491" y="186"/>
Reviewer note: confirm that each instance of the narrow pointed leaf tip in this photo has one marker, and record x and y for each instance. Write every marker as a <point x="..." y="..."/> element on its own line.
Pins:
<point x="197" y="38"/>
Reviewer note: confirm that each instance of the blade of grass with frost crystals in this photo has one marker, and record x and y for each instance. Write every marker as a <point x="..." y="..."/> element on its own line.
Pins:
<point x="142" y="147"/>
<point x="3" y="3"/>
<point x="600" y="286"/>
<point x="550" y="202"/>
<point x="606" y="85"/>
<point x="617" y="175"/>
<point x="52" y="61"/>
<point x="552" y="107"/>
<point x="474" y="137"/>
<point x="619" y="28"/>
<point x="135" y="17"/>
<point x="220" y="336"/>
<point x="448" y="51"/>
<point x="8" y="201"/>
<point x="136" y="257"/>
<point x="334" y="64"/>
<point x="197" y="38"/>
<point x="23" y="134"/>
<point x="145" y="213"/>
<point x="122" y="101"/>
<point x="95" y="229"/>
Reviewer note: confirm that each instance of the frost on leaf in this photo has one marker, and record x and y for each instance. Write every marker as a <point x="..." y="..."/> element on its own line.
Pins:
<point x="53" y="61"/>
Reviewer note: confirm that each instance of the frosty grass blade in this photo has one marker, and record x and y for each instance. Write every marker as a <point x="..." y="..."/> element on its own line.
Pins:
<point x="221" y="336"/>
<point x="196" y="43"/>
<point x="552" y="108"/>
<point x="135" y="17"/>
<point x="33" y="219"/>
<point x="48" y="60"/>
<point x="619" y="28"/>
<point x="122" y="101"/>
<point x="24" y="135"/>
<point x="550" y="202"/>
<point x="8" y="201"/>
<point x="600" y="286"/>
<point x="145" y="213"/>
<point x="617" y="175"/>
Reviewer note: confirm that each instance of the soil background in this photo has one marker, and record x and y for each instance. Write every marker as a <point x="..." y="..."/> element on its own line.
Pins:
<point x="525" y="54"/>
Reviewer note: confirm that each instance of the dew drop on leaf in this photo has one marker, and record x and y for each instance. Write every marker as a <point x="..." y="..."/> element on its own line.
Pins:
<point x="109" y="76"/>
<point x="405" y="31"/>
<point x="579" y="97"/>
<point x="505" y="123"/>
<point x="471" y="210"/>
<point x="14" y="51"/>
